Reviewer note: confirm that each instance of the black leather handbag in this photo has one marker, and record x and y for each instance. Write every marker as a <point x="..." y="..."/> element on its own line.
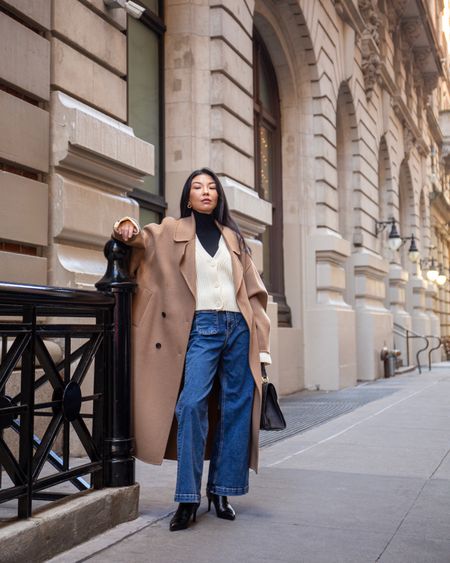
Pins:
<point x="271" y="416"/>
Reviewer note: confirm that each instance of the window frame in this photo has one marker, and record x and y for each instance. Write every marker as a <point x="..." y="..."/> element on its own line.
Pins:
<point x="271" y="120"/>
<point x="147" y="200"/>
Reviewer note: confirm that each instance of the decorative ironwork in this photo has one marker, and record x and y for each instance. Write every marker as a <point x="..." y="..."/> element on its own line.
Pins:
<point x="92" y="330"/>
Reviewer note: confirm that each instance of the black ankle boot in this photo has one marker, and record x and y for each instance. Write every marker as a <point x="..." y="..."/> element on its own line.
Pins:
<point x="223" y="507"/>
<point x="180" y="520"/>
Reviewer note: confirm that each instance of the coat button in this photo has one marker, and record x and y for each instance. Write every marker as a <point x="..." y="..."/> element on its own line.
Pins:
<point x="158" y="345"/>
<point x="163" y="314"/>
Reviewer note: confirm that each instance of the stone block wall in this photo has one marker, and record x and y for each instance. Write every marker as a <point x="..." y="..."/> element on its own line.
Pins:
<point x="24" y="140"/>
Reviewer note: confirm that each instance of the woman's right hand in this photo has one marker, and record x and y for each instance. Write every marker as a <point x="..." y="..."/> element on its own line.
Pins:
<point x="126" y="230"/>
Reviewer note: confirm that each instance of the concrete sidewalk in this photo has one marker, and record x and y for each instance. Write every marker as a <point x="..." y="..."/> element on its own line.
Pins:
<point x="371" y="485"/>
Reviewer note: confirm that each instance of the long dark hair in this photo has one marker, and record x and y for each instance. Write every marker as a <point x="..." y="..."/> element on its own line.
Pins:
<point x="221" y="212"/>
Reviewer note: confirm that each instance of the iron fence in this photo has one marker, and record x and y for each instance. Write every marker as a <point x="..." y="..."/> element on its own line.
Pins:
<point x="92" y="329"/>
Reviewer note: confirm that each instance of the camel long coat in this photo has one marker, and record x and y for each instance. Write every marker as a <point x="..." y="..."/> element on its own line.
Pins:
<point x="163" y="260"/>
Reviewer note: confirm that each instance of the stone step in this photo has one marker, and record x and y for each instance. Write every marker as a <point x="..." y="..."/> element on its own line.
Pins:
<point x="66" y="523"/>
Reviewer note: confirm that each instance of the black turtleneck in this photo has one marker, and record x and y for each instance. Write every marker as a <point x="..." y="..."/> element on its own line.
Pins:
<point x="207" y="231"/>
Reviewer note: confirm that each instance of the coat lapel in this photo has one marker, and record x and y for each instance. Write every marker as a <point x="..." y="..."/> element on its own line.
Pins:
<point x="184" y="238"/>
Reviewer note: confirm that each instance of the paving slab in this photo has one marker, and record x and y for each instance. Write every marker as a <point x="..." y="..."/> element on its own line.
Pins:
<point x="407" y="549"/>
<point x="372" y="485"/>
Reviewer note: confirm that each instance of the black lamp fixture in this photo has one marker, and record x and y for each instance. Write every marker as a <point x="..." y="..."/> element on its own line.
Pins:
<point x="432" y="269"/>
<point x="395" y="241"/>
<point x="413" y="252"/>
<point x="441" y="278"/>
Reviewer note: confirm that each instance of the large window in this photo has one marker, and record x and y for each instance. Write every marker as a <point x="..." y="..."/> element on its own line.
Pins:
<point x="146" y="101"/>
<point x="268" y="179"/>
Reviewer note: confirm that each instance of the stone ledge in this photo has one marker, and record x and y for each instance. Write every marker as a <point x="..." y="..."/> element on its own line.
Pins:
<point x="86" y="141"/>
<point x="66" y="523"/>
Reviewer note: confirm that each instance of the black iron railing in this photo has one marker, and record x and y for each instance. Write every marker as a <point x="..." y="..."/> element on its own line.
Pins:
<point x="92" y="330"/>
<point x="408" y="335"/>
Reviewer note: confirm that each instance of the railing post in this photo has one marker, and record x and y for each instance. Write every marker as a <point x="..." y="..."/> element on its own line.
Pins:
<point x="407" y="347"/>
<point x="119" y="462"/>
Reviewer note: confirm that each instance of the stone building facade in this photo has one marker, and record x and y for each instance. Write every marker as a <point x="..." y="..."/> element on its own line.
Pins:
<point x="321" y="117"/>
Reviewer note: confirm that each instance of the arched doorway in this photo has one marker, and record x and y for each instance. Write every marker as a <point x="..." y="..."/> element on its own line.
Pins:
<point x="268" y="172"/>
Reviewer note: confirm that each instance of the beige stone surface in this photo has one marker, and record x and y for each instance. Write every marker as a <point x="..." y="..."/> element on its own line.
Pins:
<point x="115" y="16"/>
<point x="224" y="58"/>
<point x="24" y="58"/>
<point x="227" y="127"/>
<point x="246" y="203"/>
<point x="21" y="268"/>
<point x="23" y="198"/>
<point x="290" y="360"/>
<point x="187" y="51"/>
<point x="239" y="8"/>
<point x="223" y="25"/>
<point x="38" y="11"/>
<point x="102" y="148"/>
<point x="78" y="24"/>
<point x="24" y="135"/>
<point x="330" y="328"/>
<point x="78" y="219"/>
<point x="75" y="267"/>
<point x="185" y="84"/>
<point x="81" y="76"/>
<point x="225" y="93"/>
<point x="225" y="159"/>
<point x="188" y="18"/>
<point x="68" y="522"/>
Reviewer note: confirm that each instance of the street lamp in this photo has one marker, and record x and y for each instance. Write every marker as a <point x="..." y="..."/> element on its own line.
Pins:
<point x="413" y="252"/>
<point x="432" y="271"/>
<point x="441" y="278"/>
<point x="395" y="241"/>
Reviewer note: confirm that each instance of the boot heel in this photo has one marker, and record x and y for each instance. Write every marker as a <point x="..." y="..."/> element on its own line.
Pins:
<point x="223" y="507"/>
<point x="194" y="516"/>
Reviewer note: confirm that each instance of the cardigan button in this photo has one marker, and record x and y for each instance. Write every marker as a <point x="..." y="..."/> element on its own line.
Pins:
<point x="163" y="314"/>
<point x="158" y="345"/>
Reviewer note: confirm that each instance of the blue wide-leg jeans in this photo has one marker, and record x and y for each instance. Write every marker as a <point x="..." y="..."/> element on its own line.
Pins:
<point x="218" y="345"/>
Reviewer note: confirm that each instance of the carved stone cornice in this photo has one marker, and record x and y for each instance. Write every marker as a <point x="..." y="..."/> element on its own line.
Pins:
<point x="370" y="45"/>
<point x="430" y="82"/>
<point x="409" y="141"/>
<point x="421" y="55"/>
<point x="386" y="79"/>
<point x="370" y="13"/>
<point x="441" y="203"/>
<point x="348" y="11"/>
<point x="411" y="28"/>
<point x="434" y="126"/>
<point x="371" y="62"/>
<point x="412" y="136"/>
<point x="395" y="9"/>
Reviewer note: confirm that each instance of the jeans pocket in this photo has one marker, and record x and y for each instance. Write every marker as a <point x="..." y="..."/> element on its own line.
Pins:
<point x="206" y="324"/>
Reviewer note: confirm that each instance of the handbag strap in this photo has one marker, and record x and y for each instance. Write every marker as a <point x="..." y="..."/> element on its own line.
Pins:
<point x="264" y="375"/>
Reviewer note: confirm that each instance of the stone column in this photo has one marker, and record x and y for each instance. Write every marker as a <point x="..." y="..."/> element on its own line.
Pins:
<point x="373" y="320"/>
<point x="187" y="94"/>
<point x="419" y="318"/>
<point x="398" y="279"/>
<point x="330" y="362"/>
<point x="434" y="324"/>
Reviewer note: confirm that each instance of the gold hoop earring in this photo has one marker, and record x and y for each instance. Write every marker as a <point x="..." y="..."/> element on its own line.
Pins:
<point x="189" y="206"/>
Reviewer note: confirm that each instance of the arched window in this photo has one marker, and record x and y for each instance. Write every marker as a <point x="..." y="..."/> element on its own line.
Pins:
<point x="268" y="179"/>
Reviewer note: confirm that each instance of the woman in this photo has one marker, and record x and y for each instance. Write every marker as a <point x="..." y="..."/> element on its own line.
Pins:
<point x="200" y="333"/>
